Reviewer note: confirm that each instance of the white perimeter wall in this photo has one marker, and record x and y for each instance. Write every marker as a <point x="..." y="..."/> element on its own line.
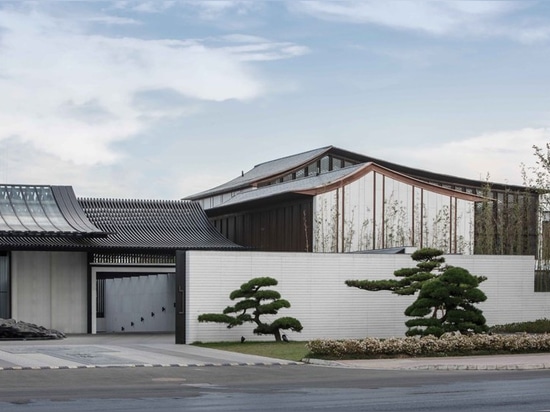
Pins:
<point x="49" y="289"/>
<point x="327" y="308"/>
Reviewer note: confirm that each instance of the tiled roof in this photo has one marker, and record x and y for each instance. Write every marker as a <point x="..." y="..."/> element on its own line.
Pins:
<point x="153" y="224"/>
<point x="104" y="225"/>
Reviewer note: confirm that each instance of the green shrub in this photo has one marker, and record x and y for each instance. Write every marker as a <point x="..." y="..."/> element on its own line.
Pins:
<point x="536" y="326"/>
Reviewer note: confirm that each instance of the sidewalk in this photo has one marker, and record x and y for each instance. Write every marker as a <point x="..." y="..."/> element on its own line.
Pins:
<point x="532" y="361"/>
<point x="118" y="350"/>
<point x="159" y="350"/>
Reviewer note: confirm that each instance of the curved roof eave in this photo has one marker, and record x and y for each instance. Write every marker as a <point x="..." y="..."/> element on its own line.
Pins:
<point x="373" y="167"/>
<point x="264" y="171"/>
<point x="332" y="180"/>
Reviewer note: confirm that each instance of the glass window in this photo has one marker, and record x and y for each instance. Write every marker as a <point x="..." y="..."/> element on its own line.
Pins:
<point x="312" y="169"/>
<point x="325" y="164"/>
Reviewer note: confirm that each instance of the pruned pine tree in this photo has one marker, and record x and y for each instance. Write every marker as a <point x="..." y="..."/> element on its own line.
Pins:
<point x="447" y="298"/>
<point x="447" y="304"/>
<point x="254" y="302"/>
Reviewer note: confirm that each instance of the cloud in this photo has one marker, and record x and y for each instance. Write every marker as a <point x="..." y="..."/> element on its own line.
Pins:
<point x="252" y="48"/>
<point x="156" y="6"/>
<point x="112" y="20"/>
<point x="439" y="18"/>
<point x="73" y="94"/>
<point x="497" y="155"/>
<point x="214" y="9"/>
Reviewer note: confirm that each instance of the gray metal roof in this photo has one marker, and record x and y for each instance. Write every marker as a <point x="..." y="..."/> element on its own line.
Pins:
<point x="311" y="184"/>
<point x="293" y="186"/>
<point x="263" y="171"/>
<point x="103" y="225"/>
<point x="278" y="167"/>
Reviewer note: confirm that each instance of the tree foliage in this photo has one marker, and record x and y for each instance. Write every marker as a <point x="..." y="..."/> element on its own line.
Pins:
<point x="254" y="302"/>
<point x="537" y="177"/>
<point x="410" y="279"/>
<point x="446" y="299"/>
<point x="447" y="304"/>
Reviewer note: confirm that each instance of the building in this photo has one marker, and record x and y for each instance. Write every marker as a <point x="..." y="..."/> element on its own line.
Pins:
<point x="333" y="200"/>
<point x="63" y="259"/>
<point x="85" y="265"/>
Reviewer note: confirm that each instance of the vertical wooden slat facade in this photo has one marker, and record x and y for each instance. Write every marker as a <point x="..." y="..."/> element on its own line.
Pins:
<point x="285" y="226"/>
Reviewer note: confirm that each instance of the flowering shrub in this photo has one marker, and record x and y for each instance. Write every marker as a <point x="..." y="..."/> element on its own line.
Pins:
<point x="429" y="345"/>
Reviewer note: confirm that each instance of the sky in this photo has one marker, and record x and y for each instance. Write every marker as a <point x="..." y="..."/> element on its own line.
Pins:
<point x="164" y="99"/>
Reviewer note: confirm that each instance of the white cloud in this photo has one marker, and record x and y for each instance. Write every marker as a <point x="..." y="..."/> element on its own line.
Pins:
<point x="156" y="6"/>
<point x="72" y="94"/>
<point x="112" y="20"/>
<point x="252" y="48"/>
<point x="498" y="155"/>
<point x="432" y="17"/>
<point x="214" y="9"/>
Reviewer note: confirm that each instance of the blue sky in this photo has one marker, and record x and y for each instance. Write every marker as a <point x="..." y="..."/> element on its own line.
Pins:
<point x="163" y="99"/>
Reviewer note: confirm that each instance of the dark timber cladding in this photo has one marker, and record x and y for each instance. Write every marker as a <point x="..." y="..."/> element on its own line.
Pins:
<point x="282" y="224"/>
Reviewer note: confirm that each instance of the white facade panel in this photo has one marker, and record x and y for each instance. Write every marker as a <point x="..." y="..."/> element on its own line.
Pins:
<point x="327" y="308"/>
<point x="69" y="291"/>
<point x="49" y="289"/>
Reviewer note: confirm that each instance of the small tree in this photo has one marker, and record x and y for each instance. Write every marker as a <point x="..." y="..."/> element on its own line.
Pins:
<point x="538" y="179"/>
<point x="446" y="304"/>
<point x="260" y="302"/>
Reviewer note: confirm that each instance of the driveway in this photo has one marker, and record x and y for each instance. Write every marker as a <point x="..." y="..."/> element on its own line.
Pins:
<point x="118" y="350"/>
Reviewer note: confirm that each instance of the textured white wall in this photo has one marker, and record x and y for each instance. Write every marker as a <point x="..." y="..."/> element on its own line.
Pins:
<point x="49" y="289"/>
<point x="327" y="308"/>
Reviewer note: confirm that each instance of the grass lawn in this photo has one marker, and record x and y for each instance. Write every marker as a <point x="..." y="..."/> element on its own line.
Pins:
<point x="294" y="351"/>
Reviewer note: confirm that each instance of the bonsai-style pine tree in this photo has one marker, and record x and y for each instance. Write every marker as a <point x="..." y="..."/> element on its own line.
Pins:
<point x="446" y="304"/>
<point x="446" y="294"/>
<point x="259" y="302"/>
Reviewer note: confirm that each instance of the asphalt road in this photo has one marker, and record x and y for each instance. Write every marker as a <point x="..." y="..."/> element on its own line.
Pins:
<point x="272" y="388"/>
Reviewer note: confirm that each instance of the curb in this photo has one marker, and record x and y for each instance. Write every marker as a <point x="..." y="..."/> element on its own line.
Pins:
<point x="480" y="367"/>
<point x="455" y="367"/>
<point x="145" y="365"/>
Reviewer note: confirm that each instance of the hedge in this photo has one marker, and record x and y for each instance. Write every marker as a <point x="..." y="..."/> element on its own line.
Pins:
<point x="455" y="344"/>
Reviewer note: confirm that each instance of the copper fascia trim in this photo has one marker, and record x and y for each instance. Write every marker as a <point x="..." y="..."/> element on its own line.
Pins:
<point x="373" y="167"/>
